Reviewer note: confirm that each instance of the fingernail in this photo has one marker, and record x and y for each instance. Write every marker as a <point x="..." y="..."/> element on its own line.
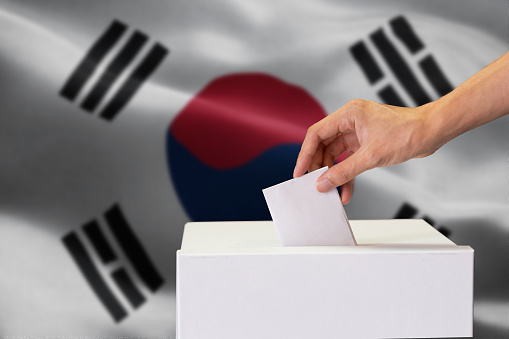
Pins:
<point x="324" y="185"/>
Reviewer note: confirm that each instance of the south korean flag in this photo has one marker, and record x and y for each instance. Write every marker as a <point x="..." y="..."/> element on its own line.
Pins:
<point x="122" y="120"/>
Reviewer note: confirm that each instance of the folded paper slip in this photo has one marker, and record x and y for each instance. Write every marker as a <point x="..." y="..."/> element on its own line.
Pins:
<point x="305" y="217"/>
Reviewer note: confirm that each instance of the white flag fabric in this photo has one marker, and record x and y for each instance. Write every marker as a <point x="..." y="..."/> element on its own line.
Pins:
<point x="122" y="120"/>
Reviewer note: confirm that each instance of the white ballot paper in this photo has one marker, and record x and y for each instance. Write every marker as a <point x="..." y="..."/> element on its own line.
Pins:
<point x="305" y="217"/>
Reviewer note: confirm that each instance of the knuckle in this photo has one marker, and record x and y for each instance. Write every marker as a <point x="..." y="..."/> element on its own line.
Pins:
<point x="357" y="104"/>
<point x="311" y="131"/>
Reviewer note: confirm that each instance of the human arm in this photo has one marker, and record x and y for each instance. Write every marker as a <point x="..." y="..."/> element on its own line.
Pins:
<point x="378" y="135"/>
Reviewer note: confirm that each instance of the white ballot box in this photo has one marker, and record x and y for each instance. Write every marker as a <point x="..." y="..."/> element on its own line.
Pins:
<point x="403" y="280"/>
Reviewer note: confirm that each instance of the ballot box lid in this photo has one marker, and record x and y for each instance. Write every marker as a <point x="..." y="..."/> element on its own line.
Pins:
<point x="230" y="236"/>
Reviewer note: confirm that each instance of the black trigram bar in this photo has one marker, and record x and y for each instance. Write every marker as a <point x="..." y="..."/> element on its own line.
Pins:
<point x="429" y="220"/>
<point x="134" y="81"/>
<point x="132" y="248"/>
<point x="435" y="75"/>
<point x="98" y="240"/>
<point x="94" y="56"/>
<point x="444" y="231"/>
<point x="390" y="97"/>
<point x="399" y="67"/>
<point x="114" y="69"/>
<point x="368" y="64"/>
<point x="91" y="274"/>
<point x="406" y="211"/>
<point x="402" y="29"/>
<point x="127" y="286"/>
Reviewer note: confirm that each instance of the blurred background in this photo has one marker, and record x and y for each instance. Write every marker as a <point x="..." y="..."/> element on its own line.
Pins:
<point x="122" y="120"/>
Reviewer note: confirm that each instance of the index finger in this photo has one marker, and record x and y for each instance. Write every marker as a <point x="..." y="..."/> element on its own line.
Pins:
<point x="307" y="151"/>
<point x="328" y="127"/>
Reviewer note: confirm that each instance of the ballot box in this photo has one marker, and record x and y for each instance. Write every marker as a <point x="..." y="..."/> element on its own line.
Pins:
<point x="404" y="279"/>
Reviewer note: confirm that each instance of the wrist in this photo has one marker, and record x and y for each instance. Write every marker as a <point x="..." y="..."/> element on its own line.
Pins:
<point x="433" y="126"/>
<point x="447" y="118"/>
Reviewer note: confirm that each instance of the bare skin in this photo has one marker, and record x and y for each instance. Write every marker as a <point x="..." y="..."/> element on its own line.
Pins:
<point x="378" y="135"/>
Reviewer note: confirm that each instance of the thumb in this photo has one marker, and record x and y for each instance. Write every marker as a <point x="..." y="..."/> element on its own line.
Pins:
<point x="343" y="172"/>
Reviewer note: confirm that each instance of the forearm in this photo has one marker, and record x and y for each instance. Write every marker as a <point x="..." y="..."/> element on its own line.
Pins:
<point x="482" y="98"/>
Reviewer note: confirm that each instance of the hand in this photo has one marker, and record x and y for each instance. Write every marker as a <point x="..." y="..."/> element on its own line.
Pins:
<point x="373" y="134"/>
